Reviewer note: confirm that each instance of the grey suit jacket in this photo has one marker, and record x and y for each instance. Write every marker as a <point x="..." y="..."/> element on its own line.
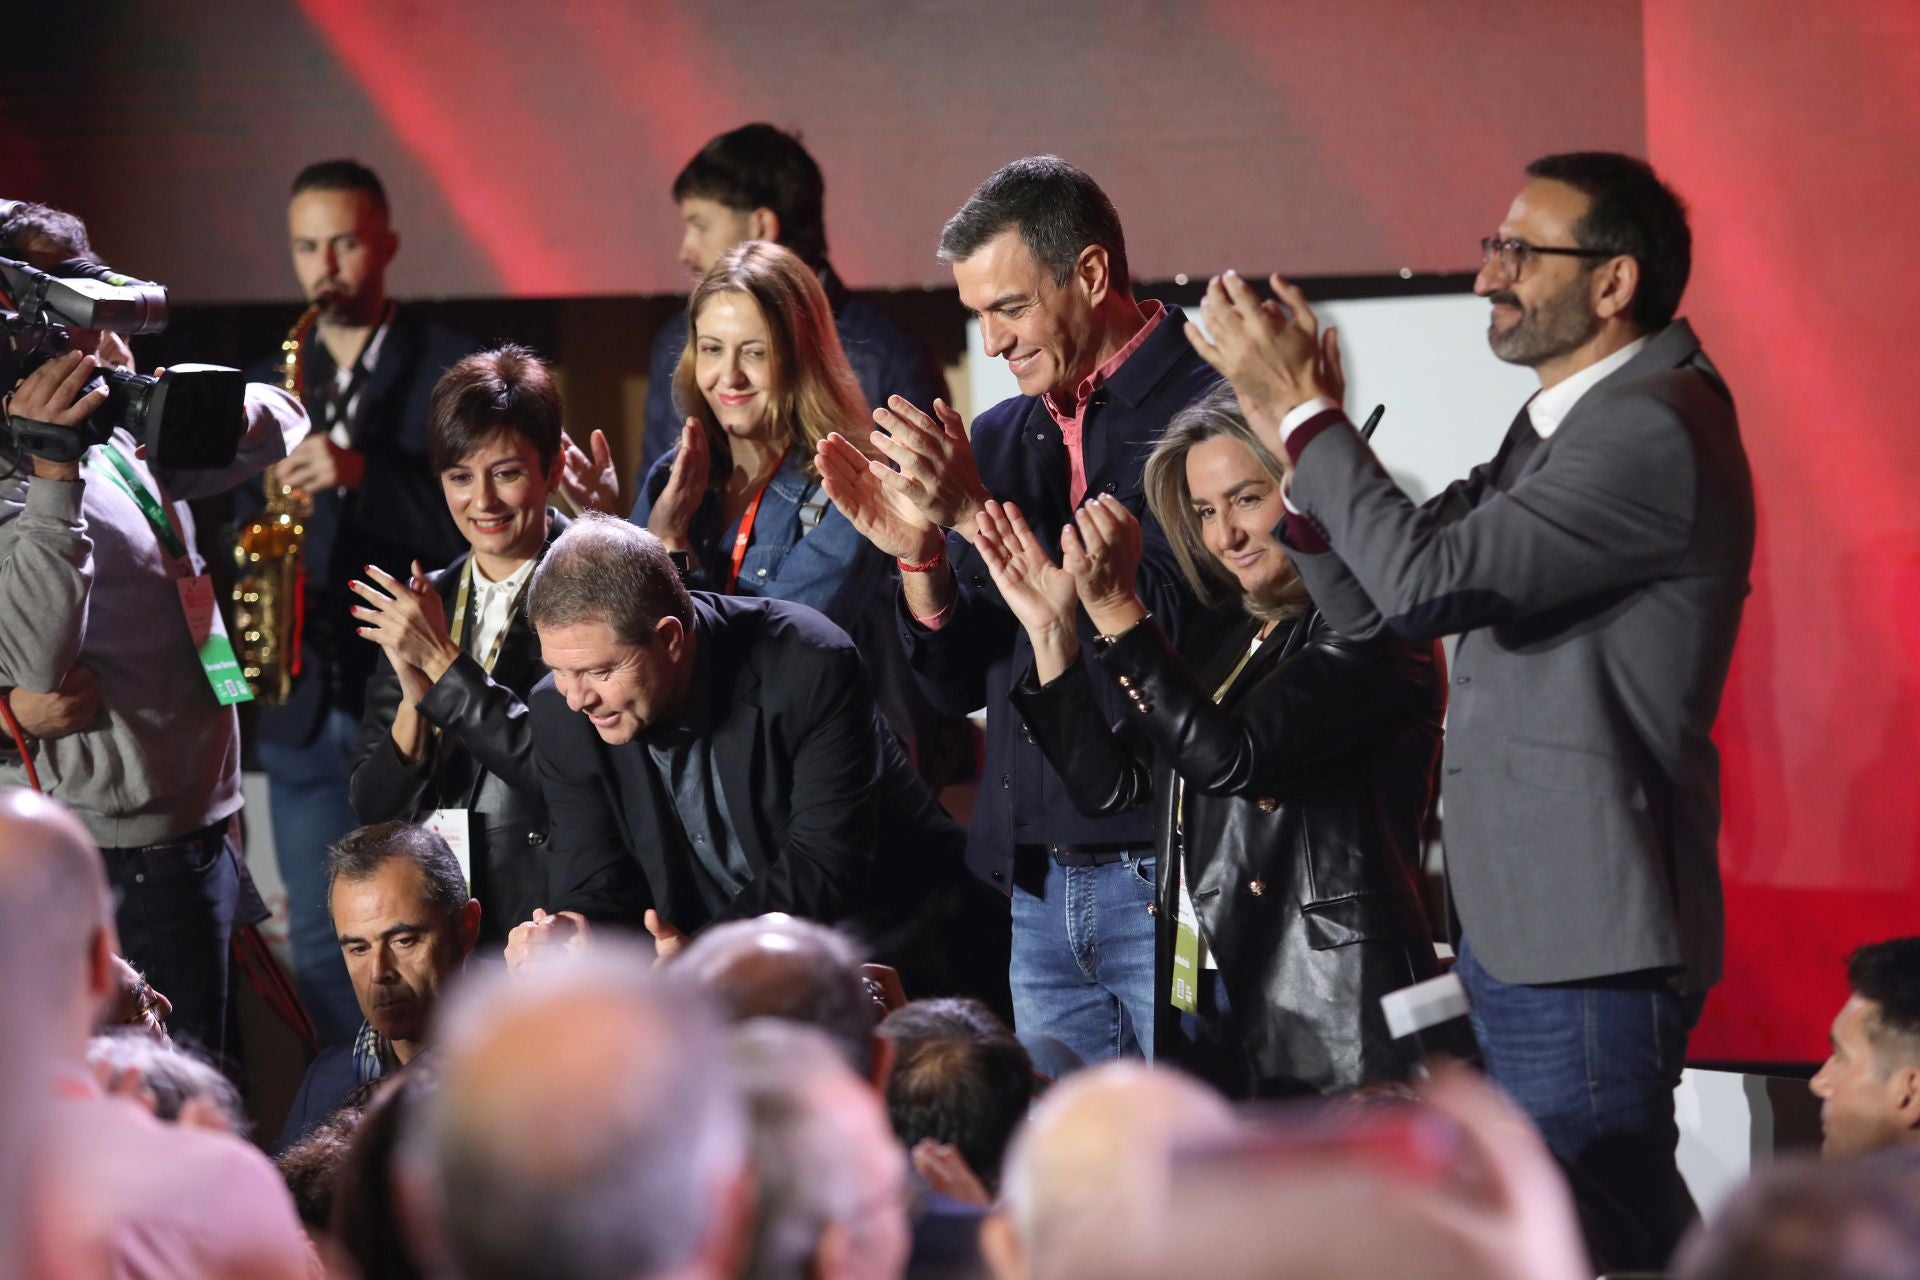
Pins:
<point x="1597" y="578"/>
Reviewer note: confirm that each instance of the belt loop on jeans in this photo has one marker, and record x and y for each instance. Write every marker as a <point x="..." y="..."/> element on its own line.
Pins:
<point x="1083" y="855"/>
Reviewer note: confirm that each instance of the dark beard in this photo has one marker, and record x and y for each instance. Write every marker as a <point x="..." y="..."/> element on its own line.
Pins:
<point x="1556" y="326"/>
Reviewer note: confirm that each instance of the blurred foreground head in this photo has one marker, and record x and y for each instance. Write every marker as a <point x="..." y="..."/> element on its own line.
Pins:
<point x="1801" y="1220"/>
<point x="1087" y="1182"/>
<point x="829" y="1176"/>
<point x="780" y="966"/>
<point x="586" y="1124"/>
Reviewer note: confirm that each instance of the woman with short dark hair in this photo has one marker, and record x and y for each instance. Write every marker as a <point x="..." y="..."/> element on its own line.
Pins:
<point x="445" y="739"/>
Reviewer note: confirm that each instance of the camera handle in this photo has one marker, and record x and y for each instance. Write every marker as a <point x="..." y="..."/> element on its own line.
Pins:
<point x="45" y="440"/>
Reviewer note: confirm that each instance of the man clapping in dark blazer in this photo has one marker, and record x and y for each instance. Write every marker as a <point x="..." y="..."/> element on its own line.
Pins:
<point x="711" y="757"/>
<point x="1595" y="571"/>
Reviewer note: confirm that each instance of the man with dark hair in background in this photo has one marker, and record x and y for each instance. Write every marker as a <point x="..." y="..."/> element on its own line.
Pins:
<point x="1869" y="1087"/>
<point x="369" y="367"/>
<point x="758" y="183"/>
<point x="960" y="1080"/>
<point x="1039" y="256"/>
<point x="406" y="925"/>
<point x="1597" y="568"/>
<point x="100" y="663"/>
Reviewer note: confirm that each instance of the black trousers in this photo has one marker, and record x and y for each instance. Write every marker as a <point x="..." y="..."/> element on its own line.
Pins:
<point x="174" y="906"/>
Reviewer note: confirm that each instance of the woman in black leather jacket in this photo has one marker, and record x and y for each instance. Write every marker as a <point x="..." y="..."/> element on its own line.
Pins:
<point x="446" y="729"/>
<point x="1290" y="768"/>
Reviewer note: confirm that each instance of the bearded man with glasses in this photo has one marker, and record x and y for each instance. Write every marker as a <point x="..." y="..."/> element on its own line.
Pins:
<point x="1595" y="571"/>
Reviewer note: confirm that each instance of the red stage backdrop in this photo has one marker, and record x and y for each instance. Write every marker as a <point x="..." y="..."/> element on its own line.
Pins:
<point x="1795" y="131"/>
<point x="529" y="148"/>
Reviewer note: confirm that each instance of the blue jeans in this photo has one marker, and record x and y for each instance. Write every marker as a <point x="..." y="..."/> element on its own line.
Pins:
<point x="1595" y="1065"/>
<point x="1082" y="968"/>
<point x="174" y="907"/>
<point x="307" y="789"/>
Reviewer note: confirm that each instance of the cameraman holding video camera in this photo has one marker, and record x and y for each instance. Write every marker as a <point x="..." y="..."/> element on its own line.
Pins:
<point x="113" y="662"/>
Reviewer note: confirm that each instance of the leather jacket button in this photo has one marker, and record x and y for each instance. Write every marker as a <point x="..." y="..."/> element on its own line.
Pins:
<point x="1266" y="804"/>
<point x="1256" y="887"/>
<point x="1126" y="682"/>
<point x="536" y="838"/>
<point x="1143" y="706"/>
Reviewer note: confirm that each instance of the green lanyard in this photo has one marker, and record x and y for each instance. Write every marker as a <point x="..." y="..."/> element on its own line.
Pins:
<point x="129" y="481"/>
<point x="460" y="617"/>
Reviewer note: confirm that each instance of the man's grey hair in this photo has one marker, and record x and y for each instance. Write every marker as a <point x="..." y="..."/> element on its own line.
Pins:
<point x="359" y="855"/>
<point x="587" y="1123"/>
<point x="174" y="1075"/>
<point x="801" y="1172"/>
<point x="1058" y="211"/>
<point x="603" y="569"/>
<point x="780" y="966"/>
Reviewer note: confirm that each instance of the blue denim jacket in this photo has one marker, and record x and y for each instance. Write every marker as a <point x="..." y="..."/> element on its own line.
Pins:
<point x="802" y="550"/>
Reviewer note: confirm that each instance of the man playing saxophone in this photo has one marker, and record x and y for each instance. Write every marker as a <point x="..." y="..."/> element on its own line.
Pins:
<point x="102" y="663"/>
<point x="367" y="368"/>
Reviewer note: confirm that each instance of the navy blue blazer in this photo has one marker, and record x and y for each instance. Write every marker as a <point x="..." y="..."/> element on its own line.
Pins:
<point x="973" y="660"/>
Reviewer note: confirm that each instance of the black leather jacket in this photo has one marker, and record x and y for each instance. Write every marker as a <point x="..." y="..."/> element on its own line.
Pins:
<point x="1305" y="789"/>
<point x="482" y="759"/>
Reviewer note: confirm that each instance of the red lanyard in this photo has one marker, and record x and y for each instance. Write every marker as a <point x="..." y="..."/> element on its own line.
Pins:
<point x="746" y="527"/>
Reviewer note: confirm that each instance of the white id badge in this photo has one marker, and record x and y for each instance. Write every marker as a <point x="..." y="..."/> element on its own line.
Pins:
<point x="455" y="826"/>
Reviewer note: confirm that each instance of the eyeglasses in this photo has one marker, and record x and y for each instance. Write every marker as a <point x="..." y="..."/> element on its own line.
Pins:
<point x="1515" y="254"/>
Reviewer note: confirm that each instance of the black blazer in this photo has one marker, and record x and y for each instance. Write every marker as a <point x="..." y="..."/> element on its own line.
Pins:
<point x="482" y="759"/>
<point x="1306" y="789"/>
<point x="973" y="660"/>
<point x="832" y="818"/>
<point x="397" y="514"/>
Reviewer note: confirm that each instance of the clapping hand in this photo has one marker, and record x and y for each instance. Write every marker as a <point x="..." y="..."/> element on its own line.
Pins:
<point x="591" y="483"/>
<point x="1040" y="593"/>
<point x="409" y="621"/>
<point x="1273" y="353"/>
<point x="937" y="473"/>
<point x="884" y="517"/>
<point x="1102" y="552"/>
<point x="673" y="512"/>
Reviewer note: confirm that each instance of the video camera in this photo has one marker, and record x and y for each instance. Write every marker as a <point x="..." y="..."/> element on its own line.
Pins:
<point x="190" y="417"/>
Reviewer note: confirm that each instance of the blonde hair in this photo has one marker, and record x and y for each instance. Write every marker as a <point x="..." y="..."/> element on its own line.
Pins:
<point x="814" y="391"/>
<point x="1214" y="415"/>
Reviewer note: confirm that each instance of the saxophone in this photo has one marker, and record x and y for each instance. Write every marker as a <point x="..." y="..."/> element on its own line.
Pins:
<point x="269" y="584"/>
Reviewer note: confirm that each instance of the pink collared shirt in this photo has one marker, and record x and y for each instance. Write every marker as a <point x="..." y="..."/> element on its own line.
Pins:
<point x="1073" y="425"/>
<point x="150" y="1200"/>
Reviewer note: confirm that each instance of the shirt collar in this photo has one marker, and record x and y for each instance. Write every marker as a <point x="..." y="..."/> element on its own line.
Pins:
<point x="1154" y="314"/>
<point x="511" y="583"/>
<point x="1550" y="408"/>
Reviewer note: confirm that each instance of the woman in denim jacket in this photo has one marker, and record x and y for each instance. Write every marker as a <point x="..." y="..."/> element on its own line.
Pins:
<point x="738" y="500"/>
